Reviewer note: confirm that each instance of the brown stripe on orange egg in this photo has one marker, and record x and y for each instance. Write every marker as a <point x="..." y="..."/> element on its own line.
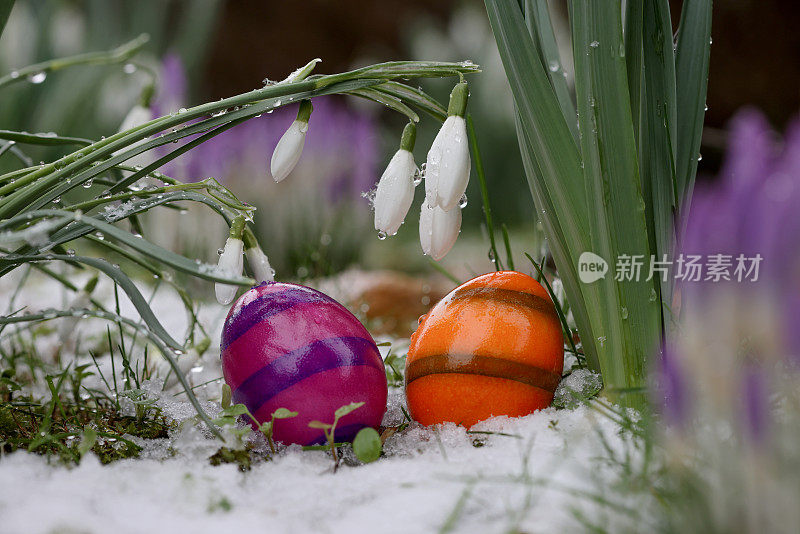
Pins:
<point x="482" y="365"/>
<point x="509" y="296"/>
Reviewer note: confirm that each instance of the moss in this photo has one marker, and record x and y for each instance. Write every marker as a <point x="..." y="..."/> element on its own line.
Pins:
<point x="227" y="455"/>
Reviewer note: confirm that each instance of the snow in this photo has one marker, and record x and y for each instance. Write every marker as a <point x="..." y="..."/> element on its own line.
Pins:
<point x="429" y="479"/>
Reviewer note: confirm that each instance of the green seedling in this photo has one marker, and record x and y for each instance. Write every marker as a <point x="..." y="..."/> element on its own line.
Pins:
<point x="330" y="429"/>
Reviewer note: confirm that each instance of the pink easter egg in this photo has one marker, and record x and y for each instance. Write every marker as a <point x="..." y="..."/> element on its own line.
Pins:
<point x="290" y="346"/>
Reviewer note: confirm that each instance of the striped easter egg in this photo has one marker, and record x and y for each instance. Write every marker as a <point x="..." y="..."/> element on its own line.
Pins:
<point x="290" y="346"/>
<point x="493" y="346"/>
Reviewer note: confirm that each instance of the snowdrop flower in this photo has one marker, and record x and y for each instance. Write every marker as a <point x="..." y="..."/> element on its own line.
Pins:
<point x="395" y="190"/>
<point x="231" y="262"/>
<point x="258" y="261"/>
<point x="438" y="230"/>
<point x="290" y="147"/>
<point x="448" y="163"/>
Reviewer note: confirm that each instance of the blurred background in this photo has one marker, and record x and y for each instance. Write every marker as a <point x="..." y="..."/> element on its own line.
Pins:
<point x="316" y="223"/>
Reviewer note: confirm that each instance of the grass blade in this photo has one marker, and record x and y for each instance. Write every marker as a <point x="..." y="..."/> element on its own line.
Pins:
<point x="487" y="208"/>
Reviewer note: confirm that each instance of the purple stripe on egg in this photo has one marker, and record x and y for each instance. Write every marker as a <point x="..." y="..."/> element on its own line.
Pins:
<point x="241" y="320"/>
<point x="296" y="366"/>
<point x="342" y="433"/>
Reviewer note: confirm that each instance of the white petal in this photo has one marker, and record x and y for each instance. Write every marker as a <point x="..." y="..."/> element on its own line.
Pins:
<point x="446" y="227"/>
<point x="288" y="151"/>
<point x="432" y="168"/>
<point x="137" y="116"/>
<point x="455" y="163"/>
<point x="259" y="263"/>
<point x="426" y="228"/>
<point x="395" y="192"/>
<point x="230" y="265"/>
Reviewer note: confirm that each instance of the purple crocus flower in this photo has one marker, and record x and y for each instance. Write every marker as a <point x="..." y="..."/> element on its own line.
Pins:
<point x="672" y="389"/>
<point x="752" y="210"/>
<point x="755" y="404"/>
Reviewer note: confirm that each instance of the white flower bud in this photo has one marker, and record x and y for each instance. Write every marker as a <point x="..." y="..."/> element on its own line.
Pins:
<point x="230" y="265"/>
<point x="395" y="192"/>
<point x="259" y="263"/>
<point x="454" y="163"/>
<point x="438" y="230"/>
<point x="288" y="151"/>
<point x="290" y="147"/>
<point x="448" y="163"/>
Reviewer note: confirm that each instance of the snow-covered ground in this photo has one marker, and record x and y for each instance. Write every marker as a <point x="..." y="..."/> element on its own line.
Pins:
<point x="429" y="479"/>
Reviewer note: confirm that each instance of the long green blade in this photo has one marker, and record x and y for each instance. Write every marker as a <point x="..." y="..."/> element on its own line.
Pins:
<point x="5" y="11"/>
<point x="633" y="60"/>
<point x="565" y="261"/>
<point x="657" y="135"/>
<point x="626" y="322"/>
<point x="541" y="118"/>
<point x="691" y="74"/>
<point x="537" y="16"/>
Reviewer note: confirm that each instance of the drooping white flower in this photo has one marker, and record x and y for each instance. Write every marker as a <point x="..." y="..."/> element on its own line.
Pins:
<point x="448" y="163"/>
<point x="395" y="190"/>
<point x="259" y="263"/>
<point x="137" y="116"/>
<point x="231" y="262"/>
<point x="290" y="147"/>
<point x="438" y="230"/>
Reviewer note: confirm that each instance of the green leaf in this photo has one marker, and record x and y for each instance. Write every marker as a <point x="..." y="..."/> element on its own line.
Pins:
<point x="283" y="413"/>
<point x="657" y="134"/>
<point x="367" y="445"/>
<point x="633" y="59"/>
<point x="537" y="15"/>
<point x="416" y="97"/>
<point x="346" y="409"/>
<point x="235" y="410"/>
<point x="162" y="255"/>
<point x="624" y="319"/>
<point x="320" y="425"/>
<point x="5" y="11"/>
<point x="387" y="100"/>
<point x="88" y="439"/>
<point x="540" y="116"/>
<point x="126" y="284"/>
<point x="226" y="396"/>
<point x="566" y="260"/>
<point x="691" y="75"/>
<point x="42" y="138"/>
<point x="117" y="55"/>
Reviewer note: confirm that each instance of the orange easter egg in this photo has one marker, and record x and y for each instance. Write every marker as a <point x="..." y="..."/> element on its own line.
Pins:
<point x="492" y="346"/>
